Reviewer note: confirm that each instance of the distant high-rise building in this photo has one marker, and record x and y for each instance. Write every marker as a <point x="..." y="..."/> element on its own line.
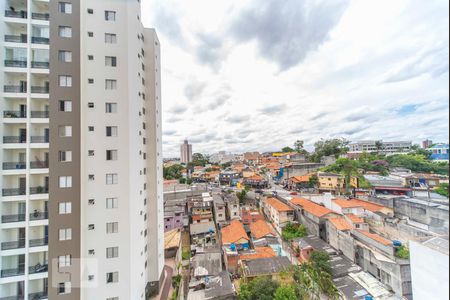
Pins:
<point x="427" y="144"/>
<point x="186" y="152"/>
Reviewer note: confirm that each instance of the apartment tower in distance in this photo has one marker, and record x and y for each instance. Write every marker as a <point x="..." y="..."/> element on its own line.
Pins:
<point x="81" y="218"/>
<point x="186" y="152"/>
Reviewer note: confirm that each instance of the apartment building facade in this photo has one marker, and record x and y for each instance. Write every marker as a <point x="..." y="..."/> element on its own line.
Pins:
<point x="380" y="146"/>
<point x="89" y="82"/>
<point x="185" y="152"/>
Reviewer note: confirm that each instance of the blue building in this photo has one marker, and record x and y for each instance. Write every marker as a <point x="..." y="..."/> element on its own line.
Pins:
<point x="439" y="152"/>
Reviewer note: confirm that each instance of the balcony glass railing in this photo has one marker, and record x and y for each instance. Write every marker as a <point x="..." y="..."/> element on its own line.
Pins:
<point x="14" y="89"/>
<point x="15" y="63"/>
<point x="13" y="218"/>
<point x="39" y="242"/>
<point x="37" y="296"/>
<point x="13" y="245"/>
<point x="40" y="40"/>
<point x="14" y="165"/>
<point x="13" y="272"/>
<point x="10" y="38"/>
<point x="40" y="139"/>
<point x="39" y="164"/>
<point x="40" y="89"/>
<point x="13" y="192"/>
<point x="38" y="215"/>
<point x="38" y="190"/>
<point x="40" y="16"/>
<point x="13" y="298"/>
<point x="38" y="269"/>
<point x="21" y="14"/>
<point x="39" y="114"/>
<point x="40" y="65"/>
<point x="14" y="140"/>
<point x="14" y="114"/>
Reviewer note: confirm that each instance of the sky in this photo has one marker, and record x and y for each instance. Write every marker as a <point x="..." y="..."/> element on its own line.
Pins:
<point x="257" y="75"/>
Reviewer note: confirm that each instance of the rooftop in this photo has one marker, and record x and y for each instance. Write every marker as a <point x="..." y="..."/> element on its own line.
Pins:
<point x="199" y="228"/>
<point x="260" y="229"/>
<point x="354" y="219"/>
<point x="298" y="179"/>
<point x="266" y="266"/>
<point x="340" y="223"/>
<point x="207" y="264"/>
<point x="278" y="205"/>
<point x="438" y="244"/>
<point x="376" y="237"/>
<point x="172" y="239"/>
<point x="353" y="203"/>
<point x="350" y="288"/>
<point x="233" y="233"/>
<point x="311" y="207"/>
<point x="258" y="253"/>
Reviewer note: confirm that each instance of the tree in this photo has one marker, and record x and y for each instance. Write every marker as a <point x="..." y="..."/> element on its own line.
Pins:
<point x="313" y="282"/>
<point x="286" y="292"/>
<point x="287" y="150"/>
<point x="260" y="288"/>
<point x="241" y="195"/>
<point x="333" y="147"/>
<point x="442" y="189"/>
<point x="299" y="146"/>
<point x="321" y="260"/>
<point x="292" y="231"/>
<point x="379" y="146"/>
<point x="173" y="172"/>
<point x="313" y="181"/>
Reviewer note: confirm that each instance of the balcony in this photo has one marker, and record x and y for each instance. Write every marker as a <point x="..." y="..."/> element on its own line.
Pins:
<point x="37" y="296"/>
<point x="16" y="14"/>
<point x="13" y="218"/>
<point x="39" y="165"/>
<point x="39" y="114"/>
<point x="40" y="139"/>
<point x="38" y="216"/>
<point x="40" y="16"/>
<point x="40" y="90"/>
<point x="14" y="166"/>
<point x="38" y="268"/>
<point x="39" y="242"/>
<point x="13" y="192"/>
<point x="40" y="65"/>
<point x="13" y="298"/>
<point x="38" y="190"/>
<point x="23" y="39"/>
<point x="14" y="114"/>
<point x="40" y="40"/>
<point x="13" y="245"/>
<point x="16" y="63"/>
<point x="14" y="140"/>
<point x="13" y="272"/>
<point x="14" y="89"/>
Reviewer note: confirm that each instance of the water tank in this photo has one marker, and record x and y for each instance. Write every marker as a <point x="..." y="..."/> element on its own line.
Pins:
<point x="397" y="243"/>
<point x="233" y="247"/>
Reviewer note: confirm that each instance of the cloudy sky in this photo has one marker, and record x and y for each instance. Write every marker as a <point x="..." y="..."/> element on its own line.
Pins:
<point x="243" y="75"/>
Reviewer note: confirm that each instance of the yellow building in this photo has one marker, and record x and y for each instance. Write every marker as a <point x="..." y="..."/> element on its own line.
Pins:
<point x="331" y="182"/>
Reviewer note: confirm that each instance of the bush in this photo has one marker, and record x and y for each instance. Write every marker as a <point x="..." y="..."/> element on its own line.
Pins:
<point x="292" y="231"/>
<point x="442" y="189"/>
<point x="186" y="254"/>
<point x="402" y="252"/>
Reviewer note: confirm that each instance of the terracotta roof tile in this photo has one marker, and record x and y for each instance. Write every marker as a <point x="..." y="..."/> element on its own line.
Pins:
<point x="233" y="233"/>
<point x="298" y="179"/>
<point x="353" y="203"/>
<point x="260" y="252"/>
<point x="278" y="205"/>
<point x="340" y="223"/>
<point x="311" y="207"/>
<point x="376" y="237"/>
<point x="354" y="219"/>
<point x="260" y="229"/>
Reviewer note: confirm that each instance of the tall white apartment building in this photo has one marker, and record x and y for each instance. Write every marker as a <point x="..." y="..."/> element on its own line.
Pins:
<point x="185" y="152"/>
<point x="380" y="146"/>
<point x="24" y="153"/>
<point x="82" y="215"/>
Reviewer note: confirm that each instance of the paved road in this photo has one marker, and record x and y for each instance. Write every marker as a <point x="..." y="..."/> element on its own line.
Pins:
<point x="167" y="283"/>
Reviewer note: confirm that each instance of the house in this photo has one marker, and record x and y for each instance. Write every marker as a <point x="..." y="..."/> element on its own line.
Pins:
<point x="299" y="182"/>
<point x="207" y="263"/>
<point x="440" y="152"/>
<point x="250" y="216"/>
<point x="252" y="158"/>
<point x="232" y="206"/>
<point x="329" y="182"/>
<point x="387" y="185"/>
<point x="256" y="181"/>
<point x="172" y="249"/>
<point x="278" y="212"/>
<point x="339" y="236"/>
<point x="173" y="217"/>
<point x="214" y="288"/>
<point x="230" y="178"/>
<point x="271" y="267"/>
<point x="313" y="216"/>
<point x="203" y="234"/>
<point x="201" y="208"/>
<point x="260" y="229"/>
<point x="257" y="253"/>
<point x="234" y="239"/>
<point x="220" y="211"/>
<point x="361" y="208"/>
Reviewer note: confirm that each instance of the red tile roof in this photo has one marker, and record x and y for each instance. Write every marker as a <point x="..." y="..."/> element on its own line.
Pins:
<point x="355" y="219"/>
<point x="278" y="205"/>
<point x="298" y="179"/>
<point x="233" y="233"/>
<point x="340" y="223"/>
<point x="353" y="203"/>
<point x="376" y="237"/>
<point x="311" y="207"/>
<point x="260" y="229"/>
<point x="260" y="252"/>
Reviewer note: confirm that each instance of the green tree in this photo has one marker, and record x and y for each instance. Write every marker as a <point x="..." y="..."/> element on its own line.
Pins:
<point x="312" y="283"/>
<point x="173" y="172"/>
<point x="442" y="189"/>
<point x="321" y="260"/>
<point x="299" y="146"/>
<point x="287" y="149"/>
<point x="379" y="146"/>
<point x="402" y="252"/>
<point x="313" y="181"/>
<point x="286" y="292"/>
<point x="332" y="147"/>
<point x="241" y="195"/>
<point x="260" y="288"/>
<point x="292" y="231"/>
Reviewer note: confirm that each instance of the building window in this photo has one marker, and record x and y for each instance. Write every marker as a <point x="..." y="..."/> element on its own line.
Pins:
<point x="65" y="105"/>
<point x="65" y="182"/>
<point x="111" y="61"/>
<point x="91" y="80"/>
<point x="111" y="108"/>
<point x="91" y="128"/>
<point x="90" y="11"/>
<point x="113" y="298"/>
<point x="112" y="277"/>
<point x="65" y="8"/>
<point x="111" y="131"/>
<point x="90" y="34"/>
<point x="65" y="131"/>
<point x="65" y="56"/>
<point x="65" y="234"/>
<point x="65" y="156"/>
<point x="112" y="203"/>
<point x="112" y="227"/>
<point x="64" y="288"/>
<point x="112" y="179"/>
<point x="110" y="84"/>
<point x="65" y="208"/>
<point x="110" y="15"/>
<point x="64" y="261"/>
<point x="65" y="81"/>
<point x="110" y="38"/>
<point x="65" y="31"/>
<point x="111" y="154"/>
<point x="112" y="252"/>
